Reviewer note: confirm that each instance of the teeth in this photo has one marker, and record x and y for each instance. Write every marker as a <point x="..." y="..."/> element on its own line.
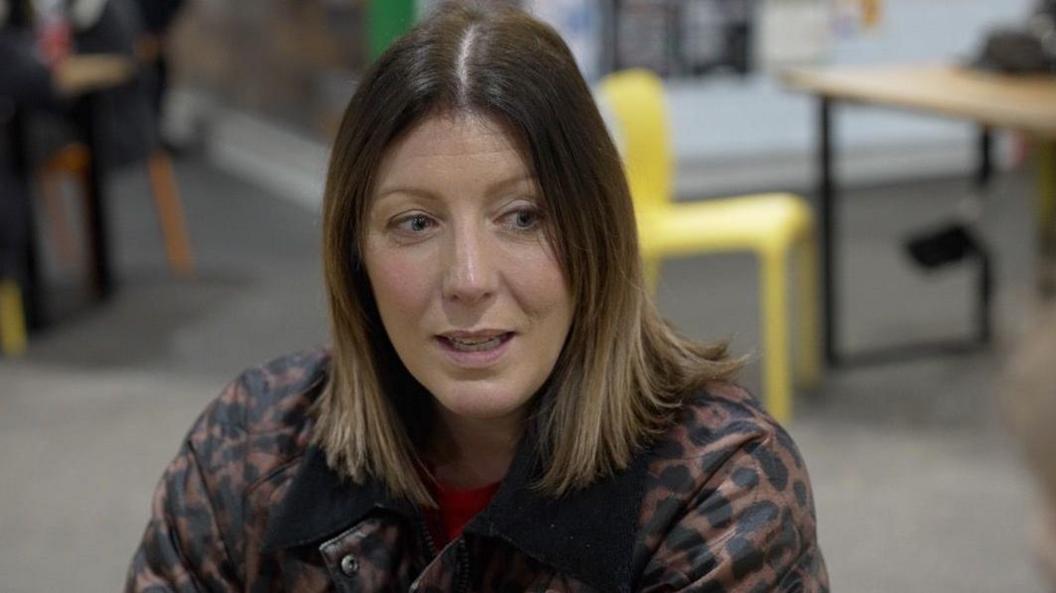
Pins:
<point x="471" y="345"/>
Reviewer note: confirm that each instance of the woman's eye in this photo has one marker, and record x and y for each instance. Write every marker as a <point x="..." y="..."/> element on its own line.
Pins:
<point x="414" y="224"/>
<point x="524" y="219"/>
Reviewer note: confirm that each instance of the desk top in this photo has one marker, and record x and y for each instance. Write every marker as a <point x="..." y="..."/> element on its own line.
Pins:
<point x="1026" y="103"/>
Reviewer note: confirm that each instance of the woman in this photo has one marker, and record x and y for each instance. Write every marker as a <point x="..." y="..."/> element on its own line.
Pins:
<point x="503" y="409"/>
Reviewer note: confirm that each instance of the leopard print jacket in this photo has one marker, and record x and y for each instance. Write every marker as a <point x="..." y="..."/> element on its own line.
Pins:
<point x="721" y="503"/>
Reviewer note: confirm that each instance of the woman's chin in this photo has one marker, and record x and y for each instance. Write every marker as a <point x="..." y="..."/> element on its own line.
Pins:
<point x="484" y="406"/>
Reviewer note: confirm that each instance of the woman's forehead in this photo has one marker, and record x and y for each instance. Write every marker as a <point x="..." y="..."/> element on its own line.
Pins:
<point x="456" y="135"/>
<point x="452" y="149"/>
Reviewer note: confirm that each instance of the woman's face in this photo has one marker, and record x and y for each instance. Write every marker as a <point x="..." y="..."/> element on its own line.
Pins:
<point x="468" y="288"/>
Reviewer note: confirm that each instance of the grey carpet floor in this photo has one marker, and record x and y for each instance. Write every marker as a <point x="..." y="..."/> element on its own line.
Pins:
<point x="918" y="487"/>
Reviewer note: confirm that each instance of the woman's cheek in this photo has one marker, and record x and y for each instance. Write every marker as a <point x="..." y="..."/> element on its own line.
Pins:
<point x="400" y="278"/>
<point x="540" y="283"/>
<point x="405" y="285"/>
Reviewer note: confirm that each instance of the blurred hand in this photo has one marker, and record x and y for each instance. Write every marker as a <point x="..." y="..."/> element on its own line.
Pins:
<point x="84" y="73"/>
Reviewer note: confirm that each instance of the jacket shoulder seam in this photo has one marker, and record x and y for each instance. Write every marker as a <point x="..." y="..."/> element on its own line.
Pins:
<point x="278" y="469"/>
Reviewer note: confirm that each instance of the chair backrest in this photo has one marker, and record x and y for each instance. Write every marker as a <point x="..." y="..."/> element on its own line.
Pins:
<point x="636" y="98"/>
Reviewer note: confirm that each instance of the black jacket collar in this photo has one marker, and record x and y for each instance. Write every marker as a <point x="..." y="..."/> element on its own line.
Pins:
<point x="589" y="534"/>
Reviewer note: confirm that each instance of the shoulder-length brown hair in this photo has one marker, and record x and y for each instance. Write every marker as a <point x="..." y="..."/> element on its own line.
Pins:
<point x="622" y="371"/>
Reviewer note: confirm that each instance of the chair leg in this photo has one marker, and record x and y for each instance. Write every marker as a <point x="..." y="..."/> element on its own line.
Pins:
<point x="170" y="213"/>
<point x="69" y="163"/>
<point x="777" y="380"/>
<point x="808" y="359"/>
<point x="12" y="319"/>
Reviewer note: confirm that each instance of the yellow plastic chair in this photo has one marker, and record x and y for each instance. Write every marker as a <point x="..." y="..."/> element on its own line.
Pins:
<point x="777" y="227"/>
<point x="12" y="319"/>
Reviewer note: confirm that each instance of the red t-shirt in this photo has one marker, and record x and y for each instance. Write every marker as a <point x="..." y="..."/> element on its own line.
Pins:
<point x="457" y="507"/>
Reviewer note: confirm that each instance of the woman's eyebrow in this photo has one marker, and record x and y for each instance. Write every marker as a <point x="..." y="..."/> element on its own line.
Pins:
<point x="414" y="191"/>
<point x="511" y="181"/>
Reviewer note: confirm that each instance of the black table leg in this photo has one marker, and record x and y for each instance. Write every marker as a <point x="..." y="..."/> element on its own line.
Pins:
<point x="985" y="167"/>
<point x="826" y="207"/>
<point x="984" y="173"/>
<point x="84" y="116"/>
<point x="827" y="213"/>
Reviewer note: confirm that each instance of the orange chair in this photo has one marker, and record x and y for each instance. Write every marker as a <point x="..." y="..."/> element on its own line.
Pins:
<point x="73" y="160"/>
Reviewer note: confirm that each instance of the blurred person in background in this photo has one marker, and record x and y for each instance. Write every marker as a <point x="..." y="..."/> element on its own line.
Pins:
<point x="56" y="51"/>
<point x="25" y="79"/>
<point x="36" y="75"/>
<point x="25" y="76"/>
<point x="152" y="50"/>
<point x="502" y="408"/>
<point x="124" y="116"/>
<point x="1029" y="398"/>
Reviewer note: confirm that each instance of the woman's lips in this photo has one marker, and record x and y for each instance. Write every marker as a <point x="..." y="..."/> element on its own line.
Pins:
<point x="474" y="351"/>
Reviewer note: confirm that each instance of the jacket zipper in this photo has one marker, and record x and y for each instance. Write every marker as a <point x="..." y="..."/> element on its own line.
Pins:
<point x="427" y="541"/>
<point x="427" y="536"/>
<point x="463" y="566"/>
<point x="462" y="585"/>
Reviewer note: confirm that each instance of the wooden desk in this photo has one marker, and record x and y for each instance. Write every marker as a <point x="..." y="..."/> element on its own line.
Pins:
<point x="991" y="100"/>
<point x="1025" y="103"/>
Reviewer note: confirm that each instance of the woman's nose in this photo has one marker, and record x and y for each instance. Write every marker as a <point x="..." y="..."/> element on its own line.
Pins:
<point x="470" y="275"/>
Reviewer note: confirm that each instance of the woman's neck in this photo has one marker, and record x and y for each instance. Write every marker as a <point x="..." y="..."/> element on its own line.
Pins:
<point x="470" y="453"/>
